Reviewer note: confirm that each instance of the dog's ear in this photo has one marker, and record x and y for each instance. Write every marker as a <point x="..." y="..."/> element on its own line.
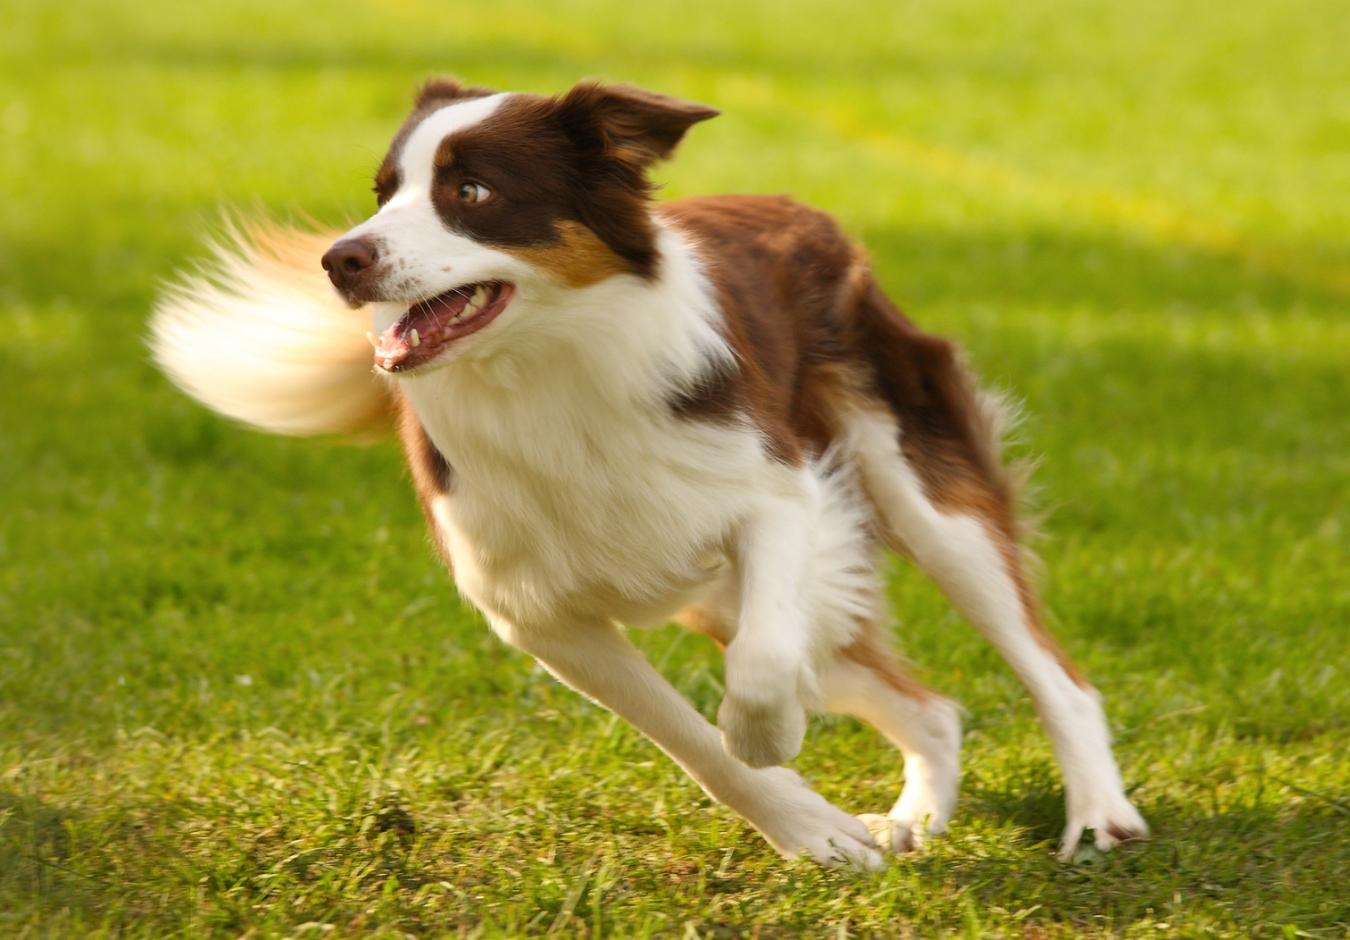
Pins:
<point x="445" y="90"/>
<point x="637" y="126"/>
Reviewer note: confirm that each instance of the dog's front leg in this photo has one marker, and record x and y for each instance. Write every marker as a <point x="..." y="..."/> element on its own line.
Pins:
<point x="762" y="717"/>
<point x="599" y="662"/>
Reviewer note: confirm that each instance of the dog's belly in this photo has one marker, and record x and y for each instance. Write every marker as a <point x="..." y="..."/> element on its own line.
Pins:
<point x="624" y="560"/>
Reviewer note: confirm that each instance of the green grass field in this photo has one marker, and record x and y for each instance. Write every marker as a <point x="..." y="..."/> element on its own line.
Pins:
<point x="239" y="697"/>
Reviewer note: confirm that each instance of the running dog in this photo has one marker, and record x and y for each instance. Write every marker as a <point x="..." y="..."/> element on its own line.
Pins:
<point x="622" y="412"/>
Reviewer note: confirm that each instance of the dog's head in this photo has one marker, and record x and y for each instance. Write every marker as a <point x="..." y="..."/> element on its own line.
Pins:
<point x="490" y="201"/>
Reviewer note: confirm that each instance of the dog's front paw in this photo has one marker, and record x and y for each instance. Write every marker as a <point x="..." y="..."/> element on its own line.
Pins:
<point x="798" y="822"/>
<point x="762" y="733"/>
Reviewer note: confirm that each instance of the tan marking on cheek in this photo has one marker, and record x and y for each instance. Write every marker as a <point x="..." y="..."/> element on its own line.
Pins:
<point x="578" y="259"/>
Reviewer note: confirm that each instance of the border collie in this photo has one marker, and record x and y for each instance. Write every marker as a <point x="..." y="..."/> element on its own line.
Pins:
<point x="622" y="412"/>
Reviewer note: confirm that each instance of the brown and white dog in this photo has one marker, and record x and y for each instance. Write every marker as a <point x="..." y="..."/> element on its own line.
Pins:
<point x="622" y="412"/>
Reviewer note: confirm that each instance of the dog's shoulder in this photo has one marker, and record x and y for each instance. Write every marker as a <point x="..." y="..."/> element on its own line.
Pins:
<point x="785" y="277"/>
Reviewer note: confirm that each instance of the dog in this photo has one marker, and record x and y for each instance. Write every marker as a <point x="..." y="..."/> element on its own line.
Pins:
<point x="618" y="412"/>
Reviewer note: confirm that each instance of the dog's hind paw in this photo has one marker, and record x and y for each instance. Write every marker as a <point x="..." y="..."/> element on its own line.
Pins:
<point x="899" y="834"/>
<point x="1112" y="819"/>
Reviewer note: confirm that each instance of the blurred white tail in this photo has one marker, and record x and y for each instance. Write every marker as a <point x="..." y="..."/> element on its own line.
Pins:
<point x="259" y="335"/>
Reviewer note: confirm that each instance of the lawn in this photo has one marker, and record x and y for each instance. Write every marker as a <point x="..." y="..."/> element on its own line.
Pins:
<point x="239" y="696"/>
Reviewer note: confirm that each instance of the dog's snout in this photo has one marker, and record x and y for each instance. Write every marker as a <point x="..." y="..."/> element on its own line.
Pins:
<point x="349" y="261"/>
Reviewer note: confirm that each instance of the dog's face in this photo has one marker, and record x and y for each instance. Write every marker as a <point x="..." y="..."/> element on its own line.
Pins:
<point x="491" y="203"/>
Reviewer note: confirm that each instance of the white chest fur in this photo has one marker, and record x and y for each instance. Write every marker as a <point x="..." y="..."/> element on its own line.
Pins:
<point x="576" y="491"/>
<point x="551" y="515"/>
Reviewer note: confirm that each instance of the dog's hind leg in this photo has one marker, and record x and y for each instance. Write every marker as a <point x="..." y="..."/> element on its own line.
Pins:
<point x="929" y="461"/>
<point x="869" y="682"/>
<point x="596" y="660"/>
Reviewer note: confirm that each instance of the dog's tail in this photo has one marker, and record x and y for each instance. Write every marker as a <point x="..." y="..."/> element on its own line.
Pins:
<point x="257" y="334"/>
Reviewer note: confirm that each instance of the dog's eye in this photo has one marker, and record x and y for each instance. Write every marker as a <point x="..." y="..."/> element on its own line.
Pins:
<point x="473" y="192"/>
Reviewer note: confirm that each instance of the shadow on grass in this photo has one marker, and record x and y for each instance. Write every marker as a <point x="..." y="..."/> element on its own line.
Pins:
<point x="1257" y="864"/>
<point x="124" y="866"/>
<point x="1248" y="866"/>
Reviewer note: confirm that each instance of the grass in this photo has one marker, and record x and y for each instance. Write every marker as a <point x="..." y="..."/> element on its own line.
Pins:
<point x="238" y="696"/>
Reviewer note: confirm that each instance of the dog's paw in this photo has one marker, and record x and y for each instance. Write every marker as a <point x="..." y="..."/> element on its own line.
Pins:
<point x="802" y="822"/>
<point x="1111" y="817"/>
<point x="932" y="779"/>
<point x="924" y="808"/>
<point x="762" y="733"/>
<point x="904" y="832"/>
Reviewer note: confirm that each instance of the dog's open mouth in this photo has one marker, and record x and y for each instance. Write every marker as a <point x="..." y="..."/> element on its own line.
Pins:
<point x="432" y="326"/>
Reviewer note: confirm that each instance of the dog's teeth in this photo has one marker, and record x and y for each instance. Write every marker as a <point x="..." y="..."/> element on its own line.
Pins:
<point x="415" y="339"/>
<point x="373" y="340"/>
<point x="479" y="297"/>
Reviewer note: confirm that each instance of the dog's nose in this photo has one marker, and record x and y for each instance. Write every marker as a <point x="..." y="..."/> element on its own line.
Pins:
<point x="348" y="261"/>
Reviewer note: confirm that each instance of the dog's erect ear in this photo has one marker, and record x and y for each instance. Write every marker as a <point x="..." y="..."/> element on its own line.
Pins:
<point x="637" y="126"/>
<point x="445" y="90"/>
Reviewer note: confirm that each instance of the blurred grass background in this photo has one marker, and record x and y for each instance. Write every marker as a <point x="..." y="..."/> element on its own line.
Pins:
<point x="237" y="695"/>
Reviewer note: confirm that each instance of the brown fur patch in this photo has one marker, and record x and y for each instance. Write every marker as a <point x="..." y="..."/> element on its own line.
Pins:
<point x="780" y="271"/>
<point x="443" y="90"/>
<point x="871" y="651"/>
<point x="715" y="396"/>
<point x="578" y="259"/>
<point x="637" y="126"/>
